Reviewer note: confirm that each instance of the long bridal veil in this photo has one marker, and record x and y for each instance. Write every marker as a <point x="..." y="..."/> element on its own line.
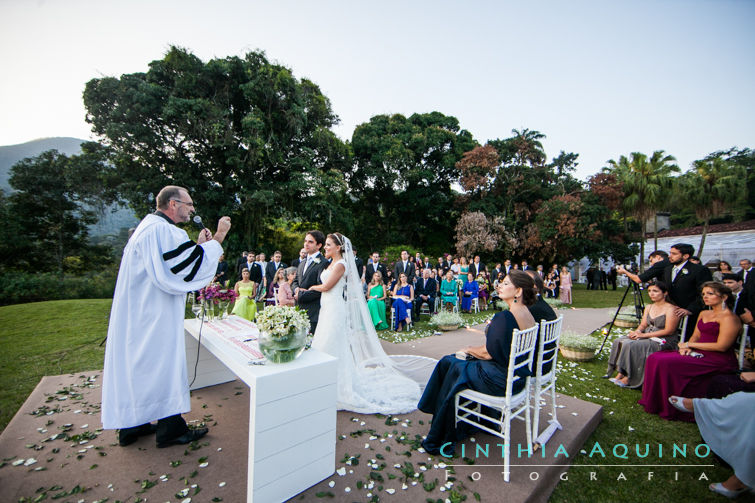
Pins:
<point x="365" y="345"/>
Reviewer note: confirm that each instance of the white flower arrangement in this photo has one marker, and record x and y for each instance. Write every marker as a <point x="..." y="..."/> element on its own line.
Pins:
<point x="280" y="321"/>
<point x="316" y="260"/>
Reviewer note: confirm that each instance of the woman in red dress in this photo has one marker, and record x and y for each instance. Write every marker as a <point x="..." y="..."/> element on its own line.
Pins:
<point x="687" y="373"/>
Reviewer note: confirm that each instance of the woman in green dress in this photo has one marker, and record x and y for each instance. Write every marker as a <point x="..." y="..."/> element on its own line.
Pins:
<point x="245" y="306"/>
<point x="376" y="296"/>
<point x="449" y="290"/>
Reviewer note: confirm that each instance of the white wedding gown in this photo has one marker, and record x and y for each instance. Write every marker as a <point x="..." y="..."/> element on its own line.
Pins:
<point x="369" y="381"/>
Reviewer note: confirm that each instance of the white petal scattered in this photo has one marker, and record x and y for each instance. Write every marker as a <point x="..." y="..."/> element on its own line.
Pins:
<point x="204" y="465"/>
<point x="220" y="449"/>
<point x="574" y="414"/>
<point x="362" y="423"/>
<point x="347" y="489"/>
<point x="472" y="439"/>
<point x="404" y="487"/>
<point x="397" y="465"/>
<point x="414" y="482"/>
<point x="194" y="486"/>
<point x="85" y="425"/>
<point x="421" y="450"/>
<point x="631" y="429"/>
<point x="222" y="484"/>
<point x="382" y="440"/>
<point x="582" y="451"/>
<point x="366" y="446"/>
<point x="442" y="489"/>
<point x="331" y="484"/>
<point x="390" y="491"/>
<point x="341" y="471"/>
<point x="441" y="465"/>
<point x="183" y="492"/>
<point x="187" y="500"/>
<point x="18" y="462"/>
<point x="404" y="425"/>
<point x="77" y="411"/>
<point x="373" y="437"/>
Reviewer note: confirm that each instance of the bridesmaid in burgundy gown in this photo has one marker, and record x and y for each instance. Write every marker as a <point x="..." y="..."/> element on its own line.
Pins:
<point x="680" y="373"/>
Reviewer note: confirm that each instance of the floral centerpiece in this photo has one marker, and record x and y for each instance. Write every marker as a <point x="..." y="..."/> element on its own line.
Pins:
<point x="215" y="294"/>
<point x="627" y="317"/>
<point x="283" y="332"/>
<point x="446" y="320"/>
<point x="578" y="347"/>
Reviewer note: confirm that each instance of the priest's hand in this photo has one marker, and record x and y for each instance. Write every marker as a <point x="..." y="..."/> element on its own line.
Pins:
<point x="204" y="236"/>
<point x="224" y="225"/>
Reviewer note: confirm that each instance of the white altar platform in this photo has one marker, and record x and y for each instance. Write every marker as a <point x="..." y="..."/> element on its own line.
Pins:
<point x="292" y="406"/>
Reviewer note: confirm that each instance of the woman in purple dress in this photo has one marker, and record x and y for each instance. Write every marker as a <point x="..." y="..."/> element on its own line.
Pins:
<point x="709" y="352"/>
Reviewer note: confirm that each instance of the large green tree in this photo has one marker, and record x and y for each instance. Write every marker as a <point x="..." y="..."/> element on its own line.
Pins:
<point x="647" y="185"/>
<point x="54" y="201"/>
<point x="401" y="179"/>
<point x="244" y="135"/>
<point x="712" y="187"/>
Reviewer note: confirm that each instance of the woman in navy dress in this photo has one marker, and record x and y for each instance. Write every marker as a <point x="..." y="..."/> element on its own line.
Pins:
<point x="470" y="291"/>
<point x="486" y="373"/>
<point x="403" y="295"/>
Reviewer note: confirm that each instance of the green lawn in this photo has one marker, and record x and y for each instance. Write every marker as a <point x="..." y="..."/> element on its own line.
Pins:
<point x="58" y="337"/>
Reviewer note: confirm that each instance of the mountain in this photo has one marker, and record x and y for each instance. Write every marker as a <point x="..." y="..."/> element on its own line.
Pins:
<point x="112" y="220"/>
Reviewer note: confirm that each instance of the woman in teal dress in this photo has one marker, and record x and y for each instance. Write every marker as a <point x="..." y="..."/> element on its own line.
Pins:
<point x="245" y="306"/>
<point x="376" y="296"/>
<point x="463" y="267"/>
<point x="449" y="289"/>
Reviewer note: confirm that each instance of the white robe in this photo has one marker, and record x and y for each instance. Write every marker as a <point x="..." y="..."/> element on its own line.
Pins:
<point x="145" y="374"/>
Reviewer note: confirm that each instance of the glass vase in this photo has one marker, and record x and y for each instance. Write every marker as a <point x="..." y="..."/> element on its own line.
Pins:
<point x="223" y="309"/>
<point x="282" y="349"/>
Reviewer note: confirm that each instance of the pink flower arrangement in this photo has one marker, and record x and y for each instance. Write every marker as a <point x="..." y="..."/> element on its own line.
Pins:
<point x="216" y="293"/>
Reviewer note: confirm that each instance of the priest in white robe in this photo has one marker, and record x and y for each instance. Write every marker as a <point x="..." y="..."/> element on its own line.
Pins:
<point x="145" y="376"/>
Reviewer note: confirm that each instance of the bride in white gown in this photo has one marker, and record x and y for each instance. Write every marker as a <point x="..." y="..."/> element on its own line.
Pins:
<point x="369" y="381"/>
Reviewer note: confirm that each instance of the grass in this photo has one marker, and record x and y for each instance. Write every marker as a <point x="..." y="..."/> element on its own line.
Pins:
<point x="59" y="337"/>
<point x="582" y="297"/>
<point x="47" y="338"/>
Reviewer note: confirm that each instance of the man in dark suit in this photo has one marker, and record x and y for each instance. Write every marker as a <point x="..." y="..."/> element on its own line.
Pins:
<point x="477" y="267"/>
<point x="506" y="266"/>
<point x="685" y="280"/>
<point x="658" y="263"/>
<point x="424" y="291"/>
<point x="297" y="260"/>
<point x="255" y="272"/>
<point x="525" y="267"/>
<point x="241" y="260"/>
<point x="375" y="265"/>
<point x="748" y="285"/>
<point x="405" y="266"/>
<point x="272" y="267"/>
<point x="308" y="275"/>
<point x="443" y="264"/>
<point x="221" y="273"/>
<point x="496" y="272"/>
<point x="358" y="262"/>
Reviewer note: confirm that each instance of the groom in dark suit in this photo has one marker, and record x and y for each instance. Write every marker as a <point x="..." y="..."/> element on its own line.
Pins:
<point x="308" y="275"/>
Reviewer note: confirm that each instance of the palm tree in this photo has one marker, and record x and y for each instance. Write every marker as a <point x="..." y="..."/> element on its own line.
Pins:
<point x="528" y="146"/>
<point x="712" y="186"/>
<point x="647" y="183"/>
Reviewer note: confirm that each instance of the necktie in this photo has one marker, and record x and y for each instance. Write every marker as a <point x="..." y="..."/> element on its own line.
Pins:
<point x="675" y="272"/>
<point x="306" y="266"/>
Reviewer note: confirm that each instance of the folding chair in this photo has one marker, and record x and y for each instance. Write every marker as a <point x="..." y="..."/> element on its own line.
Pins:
<point x="547" y="353"/>
<point x="470" y="404"/>
<point x="683" y="324"/>
<point x="475" y="305"/>
<point x="742" y="345"/>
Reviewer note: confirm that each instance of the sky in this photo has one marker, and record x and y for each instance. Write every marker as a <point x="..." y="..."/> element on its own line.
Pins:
<point x="599" y="78"/>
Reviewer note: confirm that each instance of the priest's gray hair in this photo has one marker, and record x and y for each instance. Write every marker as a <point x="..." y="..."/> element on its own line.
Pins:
<point x="167" y="193"/>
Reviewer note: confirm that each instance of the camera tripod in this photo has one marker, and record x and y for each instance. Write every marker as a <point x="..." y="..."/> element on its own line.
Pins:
<point x="639" y="307"/>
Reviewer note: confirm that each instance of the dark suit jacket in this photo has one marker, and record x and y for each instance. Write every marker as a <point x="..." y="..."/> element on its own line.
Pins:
<point x="271" y="270"/>
<point x="655" y="271"/>
<point x="541" y="310"/>
<point x="410" y="270"/>
<point x="255" y="273"/>
<point x="477" y="270"/>
<point x="430" y="289"/>
<point x="370" y="271"/>
<point x="360" y="266"/>
<point x="221" y="273"/>
<point x="309" y="300"/>
<point x="685" y="289"/>
<point x="295" y="262"/>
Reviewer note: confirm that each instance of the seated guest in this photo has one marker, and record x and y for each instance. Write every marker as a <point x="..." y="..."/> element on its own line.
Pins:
<point x="278" y="279"/>
<point x="449" y="290"/>
<point x="725" y="429"/>
<point x="726" y="384"/>
<point x="285" y="293"/>
<point x="221" y="273"/>
<point x="469" y="292"/>
<point x="484" y="293"/>
<point x="403" y="295"/>
<point x="683" y="373"/>
<point x="376" y="295"/>
<point x="723" y="268"/>
<point x="245" y="305"/>
<point x="540" y="311"/>
<point x="629" y="352"/>
<point x="390" y="280"/>
<point x="486" y="373"/>
<point x="424" y="292"/>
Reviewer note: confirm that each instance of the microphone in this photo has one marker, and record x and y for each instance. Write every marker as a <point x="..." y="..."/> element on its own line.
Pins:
<point x="198" y="222"/>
